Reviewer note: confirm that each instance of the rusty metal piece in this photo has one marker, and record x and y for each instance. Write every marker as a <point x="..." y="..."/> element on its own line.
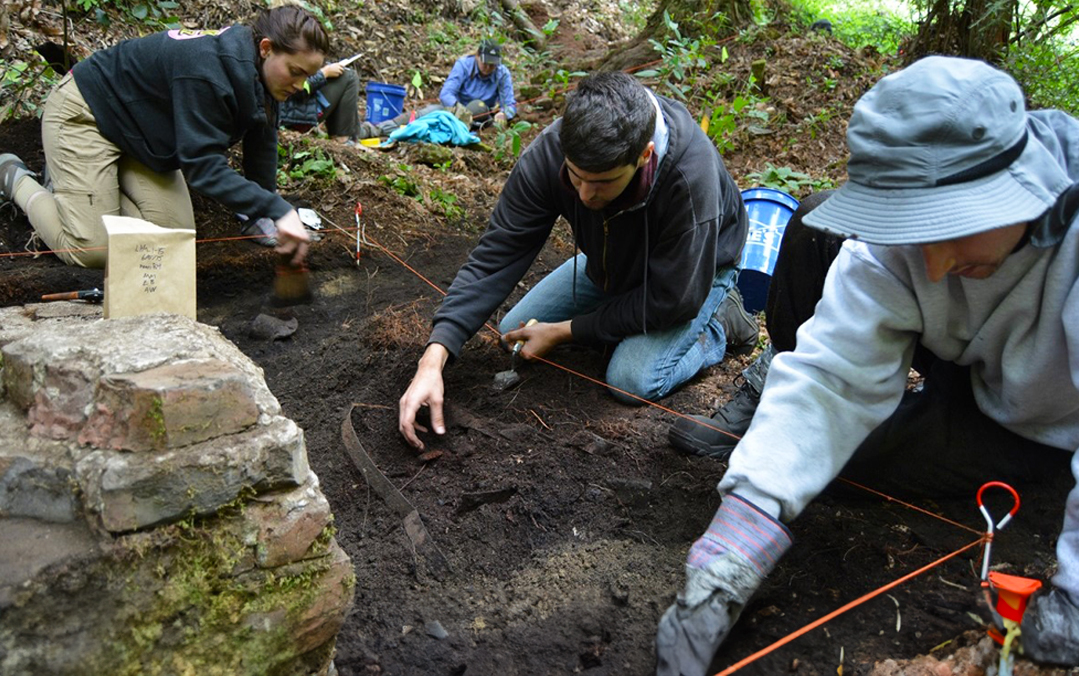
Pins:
<point x="425" y="552"/>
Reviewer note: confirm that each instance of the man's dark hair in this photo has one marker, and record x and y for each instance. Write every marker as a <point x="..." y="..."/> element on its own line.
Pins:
<point x="608" y="122"/>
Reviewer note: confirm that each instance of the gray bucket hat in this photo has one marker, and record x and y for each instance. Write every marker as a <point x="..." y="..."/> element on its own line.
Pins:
<point x="940" y="150"/>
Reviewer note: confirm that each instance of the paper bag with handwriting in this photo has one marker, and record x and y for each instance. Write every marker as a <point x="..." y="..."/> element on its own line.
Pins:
<point x="149" y="269"/>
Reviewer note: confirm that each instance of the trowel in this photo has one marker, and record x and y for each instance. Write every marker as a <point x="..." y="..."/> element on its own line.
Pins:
<point x="505" y="380"/>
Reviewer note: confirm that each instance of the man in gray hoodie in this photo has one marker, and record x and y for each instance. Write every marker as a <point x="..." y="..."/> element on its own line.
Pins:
<point x="660" y="224"/>
<point x="961" y="255"/>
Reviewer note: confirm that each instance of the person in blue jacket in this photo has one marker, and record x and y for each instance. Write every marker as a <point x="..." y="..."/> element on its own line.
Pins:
<point x="481" y="77"/>
<point x="131" y="127"/>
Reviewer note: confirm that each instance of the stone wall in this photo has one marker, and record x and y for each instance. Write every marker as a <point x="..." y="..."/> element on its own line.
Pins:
<point x="157" y="512"/>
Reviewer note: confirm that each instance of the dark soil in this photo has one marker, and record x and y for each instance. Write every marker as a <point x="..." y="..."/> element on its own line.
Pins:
<point x="565" y="516"/>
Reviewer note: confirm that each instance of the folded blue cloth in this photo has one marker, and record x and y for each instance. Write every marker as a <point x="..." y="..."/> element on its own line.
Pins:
<point x="439" y="126"/>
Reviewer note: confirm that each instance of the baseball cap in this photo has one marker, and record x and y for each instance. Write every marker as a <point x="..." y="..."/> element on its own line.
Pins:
<point x="490" y="52"/>
<point x="940" y="150"/>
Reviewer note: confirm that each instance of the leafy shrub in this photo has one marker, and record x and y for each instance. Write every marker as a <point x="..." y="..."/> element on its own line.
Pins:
<point x="153" y="13"/>
<point x="400" y="182"/>
<point x="446" y="202"/>
<point x="788" y="180"/>
<point x="508" y="141"/>
<point x="681" y="57"/>
<point x="747" y="110"/>
<point x="857" y="23"/>
<point x="23" y="88"/>
<point x="1048" y="71"/>
<point x="296" y="165"/>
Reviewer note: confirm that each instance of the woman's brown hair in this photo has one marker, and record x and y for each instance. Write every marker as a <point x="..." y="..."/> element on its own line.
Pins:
<point x="291" y="29"/>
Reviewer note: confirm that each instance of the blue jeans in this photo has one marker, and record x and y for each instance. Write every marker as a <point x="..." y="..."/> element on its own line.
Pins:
<point x="649" y="365"/>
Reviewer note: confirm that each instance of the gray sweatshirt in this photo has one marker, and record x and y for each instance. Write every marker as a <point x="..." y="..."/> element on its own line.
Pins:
<point x="1018" y="330"/>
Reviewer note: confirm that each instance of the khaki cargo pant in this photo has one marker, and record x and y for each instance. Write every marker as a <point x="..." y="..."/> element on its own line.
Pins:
<point x="92" y="177"/>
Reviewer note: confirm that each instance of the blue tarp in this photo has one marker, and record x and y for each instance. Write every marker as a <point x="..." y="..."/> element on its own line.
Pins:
<point x="436" y="127"/>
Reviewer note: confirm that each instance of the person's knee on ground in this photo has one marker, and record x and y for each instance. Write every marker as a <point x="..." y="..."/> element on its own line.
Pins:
<point x="342" y="116"/>
<point x="18" y="184"/>
<point x="629" y="384"/>
<point x="480" y="112"/>
<point x="162" y="198"/>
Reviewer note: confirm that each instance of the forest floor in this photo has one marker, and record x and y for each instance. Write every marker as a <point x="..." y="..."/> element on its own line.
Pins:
<point x="565" y="517"/>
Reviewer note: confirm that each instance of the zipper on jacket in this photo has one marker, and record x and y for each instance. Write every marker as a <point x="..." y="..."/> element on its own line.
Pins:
<point x="606" y="277"/>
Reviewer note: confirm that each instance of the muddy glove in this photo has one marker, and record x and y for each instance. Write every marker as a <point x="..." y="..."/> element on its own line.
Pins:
<point x="725" y="566"/>
<point x="1051" y="629"/>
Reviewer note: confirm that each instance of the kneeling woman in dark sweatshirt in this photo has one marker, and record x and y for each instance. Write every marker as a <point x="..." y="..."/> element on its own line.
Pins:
<point x="131" y="127"/>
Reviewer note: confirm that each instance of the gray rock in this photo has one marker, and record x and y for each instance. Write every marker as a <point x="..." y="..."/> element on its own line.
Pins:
<point x="434" y="629"/>
<point x="128" y="491"/>
<point x="36" y="475"/>
<point x="267" y="327"/>
<point x="157" y="513"/>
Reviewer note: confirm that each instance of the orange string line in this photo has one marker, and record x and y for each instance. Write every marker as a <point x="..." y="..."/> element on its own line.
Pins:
<point x="839" y="611"/>
<point x="910" y="506"/>
<point x="40" y="252"/>
<point x="495" y="331"/>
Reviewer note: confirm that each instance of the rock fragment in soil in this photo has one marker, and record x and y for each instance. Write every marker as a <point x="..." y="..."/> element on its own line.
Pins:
<point x="434" y="629"/>
<point x="267" y="327"/>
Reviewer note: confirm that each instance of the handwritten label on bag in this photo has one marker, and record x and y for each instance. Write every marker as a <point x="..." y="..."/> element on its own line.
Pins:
<point x="149" y="269"/>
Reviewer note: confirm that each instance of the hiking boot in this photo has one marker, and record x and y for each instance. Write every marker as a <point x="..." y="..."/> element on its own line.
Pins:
<point x="11" y="170"/>
<point x="741" y="328"/>
<point x="691" y="436"/>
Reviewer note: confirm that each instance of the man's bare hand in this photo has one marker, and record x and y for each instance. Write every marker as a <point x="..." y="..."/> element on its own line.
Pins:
<point x="426" y="389"/>
<point x="332" y="70"/>
<point x="539" y="338"/>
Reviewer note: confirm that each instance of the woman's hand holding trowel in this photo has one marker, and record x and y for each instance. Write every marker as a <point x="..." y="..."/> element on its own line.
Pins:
<point x="292" y="238"/>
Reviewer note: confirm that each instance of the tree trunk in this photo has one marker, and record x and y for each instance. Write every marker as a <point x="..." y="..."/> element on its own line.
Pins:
<point x="694" y="18"/>
<point x="530" y="34"/>
<point x="978" y="29"/>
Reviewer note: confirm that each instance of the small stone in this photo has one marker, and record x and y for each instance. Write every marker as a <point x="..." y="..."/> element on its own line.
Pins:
<point x="435" y="630"/>
<point x="266" y="327"/>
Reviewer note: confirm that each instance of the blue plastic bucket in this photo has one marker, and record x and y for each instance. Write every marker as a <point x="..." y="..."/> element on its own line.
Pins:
<point x="769" y="212"/>
<point x="384" y="101"/>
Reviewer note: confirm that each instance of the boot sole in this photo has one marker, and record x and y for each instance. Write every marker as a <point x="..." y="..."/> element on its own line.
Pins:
<point x="694" y="446"/>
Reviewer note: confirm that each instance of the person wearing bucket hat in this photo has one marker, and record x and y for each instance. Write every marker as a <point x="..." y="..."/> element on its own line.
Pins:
<point x="960" y="255"/>
<point x="660" y="225"/>
<point x="481" y="83"/>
